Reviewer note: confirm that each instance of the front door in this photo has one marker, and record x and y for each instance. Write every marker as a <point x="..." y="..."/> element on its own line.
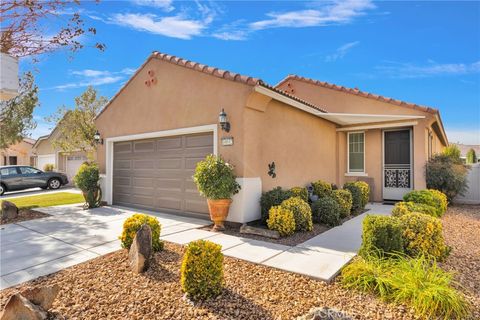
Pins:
<point x="397" y="164"/>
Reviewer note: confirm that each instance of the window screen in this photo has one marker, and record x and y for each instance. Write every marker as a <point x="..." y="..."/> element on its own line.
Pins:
<point x="356" y="150"/>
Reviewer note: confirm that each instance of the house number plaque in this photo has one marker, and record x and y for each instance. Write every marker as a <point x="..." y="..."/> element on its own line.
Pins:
<point x="227" y="141"/>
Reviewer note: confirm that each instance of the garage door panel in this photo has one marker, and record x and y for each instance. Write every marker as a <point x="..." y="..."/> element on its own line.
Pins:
<point x="157" y="173"/>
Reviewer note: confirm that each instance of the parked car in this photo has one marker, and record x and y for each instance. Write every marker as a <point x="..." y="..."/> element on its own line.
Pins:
<point x="14" y="178"/>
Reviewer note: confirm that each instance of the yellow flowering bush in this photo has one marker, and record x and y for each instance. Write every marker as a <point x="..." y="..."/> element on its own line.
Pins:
<point x="441" y="199"/>
<point x="134" y="223"/>
<point x="201" y="273"/>
<point x="365" y="189"/>
<point x="344" y="200"/>
<point x="402" y="208"/>
<point x="322" y="188"/>
<point x="301" y="212"/>
<point x="281" y="220"/>
<point x="299" y="192"/>
<point x="429" y="197"/>
<point x="422" y="235"/>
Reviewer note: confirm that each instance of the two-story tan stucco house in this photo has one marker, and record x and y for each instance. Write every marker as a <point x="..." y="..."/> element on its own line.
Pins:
<point x="166" y="118"/>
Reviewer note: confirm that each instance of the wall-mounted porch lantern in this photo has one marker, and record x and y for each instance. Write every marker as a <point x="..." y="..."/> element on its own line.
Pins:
<point x="97" y="138"/>
<point x="222" y="119"/>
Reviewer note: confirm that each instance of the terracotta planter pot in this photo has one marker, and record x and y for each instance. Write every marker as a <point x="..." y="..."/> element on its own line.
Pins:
<point x="218" y="212"/>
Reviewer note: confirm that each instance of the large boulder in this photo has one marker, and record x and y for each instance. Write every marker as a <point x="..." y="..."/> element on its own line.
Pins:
<point x="141" y="249"/>
<point x="42" y="296"/>
<point x="19" y="307"/>
<point x="9" y="210"/>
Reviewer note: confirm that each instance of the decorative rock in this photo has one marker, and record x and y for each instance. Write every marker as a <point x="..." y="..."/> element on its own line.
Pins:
<point x="260" y="232"/>
<point x="42" y="296"/>
<point x="141" y="249"/>
<point x="18" y="307"/>
<point x="9" y="210"/>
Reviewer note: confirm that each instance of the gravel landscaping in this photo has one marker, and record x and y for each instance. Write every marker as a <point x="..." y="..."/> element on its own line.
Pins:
<point x="24" y="215"/>
<point x="461" y="227"/>
<point x="106" y="288"/>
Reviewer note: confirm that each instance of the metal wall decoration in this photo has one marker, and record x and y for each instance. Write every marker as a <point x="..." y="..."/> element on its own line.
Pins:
<point x="271" y="170"/>
<point x="397" y="178"/>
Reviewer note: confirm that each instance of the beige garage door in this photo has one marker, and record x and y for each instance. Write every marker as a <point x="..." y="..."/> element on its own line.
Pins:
<point x="157" y="173"/>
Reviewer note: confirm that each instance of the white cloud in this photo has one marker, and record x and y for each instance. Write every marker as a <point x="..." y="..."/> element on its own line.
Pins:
<point x="165" y="5"/>
<point x="89" y="77"/>
<point x="336" y="12"/>
<point x="464" y="136"/>
<point x="174" y="26"/>
<point x="408" y="70"/>
<point x="341" y="51"/>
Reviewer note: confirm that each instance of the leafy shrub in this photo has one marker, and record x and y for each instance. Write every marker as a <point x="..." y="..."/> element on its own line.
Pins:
<point x="48" y="167"/>
<point x="453" y="152"/>
<point x="301" y="212"/>
<point x="215" y="178"/>
<point x="134" y="223"/>
<point x="422" y="235"/>
<point x="272" y="198"/>
<point x="322" y="188"/>
<point x="202" y="270"/>
<point x="402" y="208"/>
<point x="281" y="220"/>
<point x="327" y="211"/>
<point x="87" y="179"/>
<point x="428" y="197"/>
<point x="381" y="235"/>
<point x="447" y="175"/>
<point x="471" y="157"/>
<point x="365" y="189"/>
<point x="344" y="200"/>
<point x="299" y="192"/>
<point x="418" y="282"/>
<point x="441" y="199"/>
<point x="357" y="197"/>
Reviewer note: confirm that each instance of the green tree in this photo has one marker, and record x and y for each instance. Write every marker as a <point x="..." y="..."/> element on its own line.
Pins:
<point x="76" y="126"/>
<point x="471" y="157"/>
<point x="16" y="115"/>
<point x="453" y="152"/>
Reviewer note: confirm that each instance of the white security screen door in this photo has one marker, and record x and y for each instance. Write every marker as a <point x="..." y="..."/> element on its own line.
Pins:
<point x="397" y="164"/>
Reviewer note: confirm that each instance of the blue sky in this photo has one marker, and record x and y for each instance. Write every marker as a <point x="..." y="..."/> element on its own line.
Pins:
<point x="422" y="52"/>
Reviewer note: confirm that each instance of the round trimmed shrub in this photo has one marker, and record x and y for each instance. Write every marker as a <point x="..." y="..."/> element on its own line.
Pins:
<point x="344" y="200"/>
<point x="322" y="188"/>
<point x="87" y="179"/>
<point x="422" y="235"/>
<point x="201" y="274"/>
<point x="299" y="192"/>
<point x="402" y="208"/>
<point x="271" y="198"/>
<point x="365" y="190"/>
<point x="215" y="178"/>
<point x="134" y="223"/>
<point x="301" y="212"/>
<point x="357" y="198"/>
<point x="327" y="211"/>
<point x="428" y="197"/>
<point x="381" y="235"/>
<point x="281" y="220"/>
<point x="441" y="199"/>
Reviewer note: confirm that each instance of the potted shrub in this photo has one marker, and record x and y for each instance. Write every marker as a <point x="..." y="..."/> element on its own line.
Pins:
<point x="215" y="180"/>
<point x="87" y="180"/>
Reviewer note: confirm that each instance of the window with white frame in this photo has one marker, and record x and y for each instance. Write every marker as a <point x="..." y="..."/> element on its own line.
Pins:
<point x="356" y="152"/>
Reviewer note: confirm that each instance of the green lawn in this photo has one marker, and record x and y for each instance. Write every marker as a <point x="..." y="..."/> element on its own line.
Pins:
<point x="47" y="200"/>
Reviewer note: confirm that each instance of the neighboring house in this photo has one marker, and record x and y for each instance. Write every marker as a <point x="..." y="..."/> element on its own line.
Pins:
<point x="464" y="148"/>
<point x="66" y="162"/>
<point x="166" y="118"/>
<point x="18" y="154"/>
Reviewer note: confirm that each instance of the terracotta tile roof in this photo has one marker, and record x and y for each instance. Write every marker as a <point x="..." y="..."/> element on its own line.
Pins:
<point x="216" y="72"/>
<point x="358" y="92"/>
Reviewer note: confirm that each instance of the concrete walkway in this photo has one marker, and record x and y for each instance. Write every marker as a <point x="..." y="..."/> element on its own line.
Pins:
<point x="39" y="247"/>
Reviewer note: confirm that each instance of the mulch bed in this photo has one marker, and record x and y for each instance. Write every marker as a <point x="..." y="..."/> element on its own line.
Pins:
<point x="24" y="215"/>
<point x="105" y="288"/>
<point x="461" y="228"/>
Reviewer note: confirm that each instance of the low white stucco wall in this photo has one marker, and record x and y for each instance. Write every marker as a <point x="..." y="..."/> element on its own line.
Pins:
<point x="246" y="204"/>
<point x="472" y="195"/>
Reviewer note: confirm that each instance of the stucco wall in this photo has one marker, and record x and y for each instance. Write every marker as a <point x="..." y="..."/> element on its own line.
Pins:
<point x="181" y="98"/>
<point x="44" y="147"/>
<point x="22" y="150"/>
<point x="302" y="146"/>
